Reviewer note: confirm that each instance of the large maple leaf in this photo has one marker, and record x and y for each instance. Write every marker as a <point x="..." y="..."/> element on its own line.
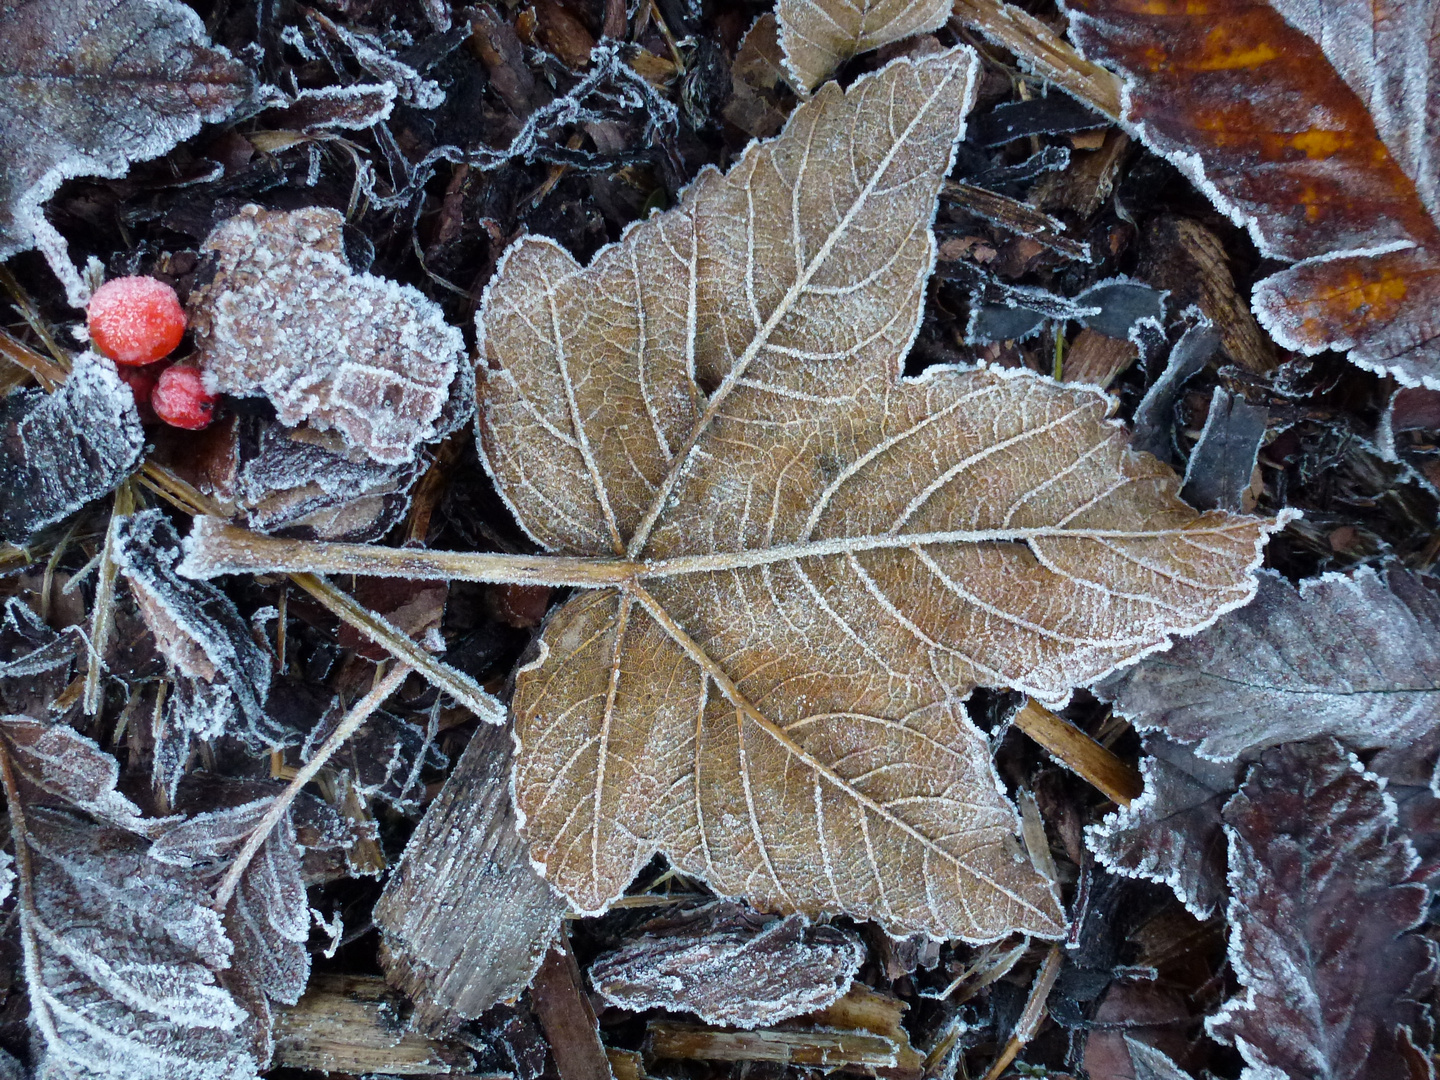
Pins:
<point x="1313" y="124"/>
<point x="815" y="559"/>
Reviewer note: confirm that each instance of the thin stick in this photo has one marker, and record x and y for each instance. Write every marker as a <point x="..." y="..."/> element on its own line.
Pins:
<point x="101" y="620"/>
<point x="1081" y="754"/>
<point x="1029" y="1022"/>
<point x="1043" y="52"/>
<point x="465" y="690"/>
<point x="353" y="721"/>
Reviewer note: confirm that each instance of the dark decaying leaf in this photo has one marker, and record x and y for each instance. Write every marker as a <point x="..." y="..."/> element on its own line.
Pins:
<point x="222" y="675"/>
<point x="329" y="108"/>
<point x="284" y="316"/>
<point x="1314" y="125"/>
<point x="1001" y="312"/>
<point x="87" y="87"/>
<point x="59" y="451"/>
<point x="1172" y="833"/>
<point x="1320" y="914"/>
<point x="1154" y="416"/>
<point x="125" y="960"/>
<point x="731" y="965"/>
<point x="1047" y="115"/>
<point x="1221" y="465"/>
<point x="1356" y="657"/>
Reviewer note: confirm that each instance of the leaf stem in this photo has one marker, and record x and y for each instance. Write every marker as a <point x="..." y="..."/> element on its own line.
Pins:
<point x="360" y="712"/>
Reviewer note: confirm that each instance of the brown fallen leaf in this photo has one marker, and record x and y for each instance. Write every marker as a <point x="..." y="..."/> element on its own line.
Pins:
<point x="90" y="86"/>
<point x="833" y="556"/>
<point x="1314" y="126"/>
<point x="800" y="562"/>
<point x="818" y="36"/>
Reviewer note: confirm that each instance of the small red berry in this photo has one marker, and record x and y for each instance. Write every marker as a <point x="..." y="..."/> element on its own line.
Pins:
<point x="181" y="400"/>
<point x="142" y="380"/>
<point x="135" y="320"/>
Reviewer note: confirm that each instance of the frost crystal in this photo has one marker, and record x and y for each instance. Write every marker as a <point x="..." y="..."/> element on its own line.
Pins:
<point x="284" y="316"/>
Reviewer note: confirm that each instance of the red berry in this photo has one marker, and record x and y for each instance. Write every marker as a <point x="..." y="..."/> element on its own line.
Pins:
<point x="141" y="381"/>
<point x="135" y="320"/>
<point x="181" y="400"/>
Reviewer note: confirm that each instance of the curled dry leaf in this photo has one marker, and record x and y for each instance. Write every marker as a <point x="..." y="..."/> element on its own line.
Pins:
<point x="1314" y="125"/>
<point x="285" y="316"/>
<point x="1320" y="917"/>
<point x="58" y="451"/>
<point x="1356" y="657"/>
<point x="817" y="36"/>
<point x="89" y="86"/>
<point x="730" y="965"/>
<point x="225" y="675"/>
<point x="825" y="557"/>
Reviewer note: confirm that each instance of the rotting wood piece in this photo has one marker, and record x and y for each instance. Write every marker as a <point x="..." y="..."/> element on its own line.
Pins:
<point x="465" y="919"/>
<point x="566" y="1017"/>
<point x="1017" y="217"/>
<point x="357" y="1024"/>
<point x="1081" y="754"/>
<point x="1188" y="259"/>
<point x="861" y="1030"/>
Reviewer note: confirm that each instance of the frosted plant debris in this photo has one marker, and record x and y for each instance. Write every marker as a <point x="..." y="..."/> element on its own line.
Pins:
<point x="1353" y="656"/>
<point x="285" y="316"/>
<point x="730" y="965"/>
<point x="86" y="88"/>
<point x="59" y="451"/>
<point x="222" y="675"/>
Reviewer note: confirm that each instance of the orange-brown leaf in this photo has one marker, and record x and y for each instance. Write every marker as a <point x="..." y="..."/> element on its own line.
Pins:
<point x="1314" y="126"/>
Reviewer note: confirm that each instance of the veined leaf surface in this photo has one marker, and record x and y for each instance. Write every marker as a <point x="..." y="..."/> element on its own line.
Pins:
<point x="828" y="557"/>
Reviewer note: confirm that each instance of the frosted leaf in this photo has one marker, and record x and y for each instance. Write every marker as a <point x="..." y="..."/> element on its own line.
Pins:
<point x="269" y="915"/>
<point x="1221" y="466"/>
<point x="35" y="661"/>
<point x="1155" y="415"/>
<point x="1312" y="123"/>
<point x="89" y="86"/>
<point x="819" y="35"/>
<point x="1320" y="916"/>
<point x="1172" y="833"/>
<point x="129" y="960"/>
<point x="730" y="965"/>
<point x="285" y="316"/>
<point x="1356" y="657"/>
<point x="201" y="635"/>
<point x="828" y="556"/>
<point x="332" y="108"/>
<point x="1049" y="115"/>
<point x="308" y="481"/>
<point x="124" y="957"/>
<point x="59" y="451"/>
<point x="58" y="760"/>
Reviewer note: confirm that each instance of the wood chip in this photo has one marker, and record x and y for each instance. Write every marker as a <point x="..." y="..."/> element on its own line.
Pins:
<point x="466" y="921"/>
